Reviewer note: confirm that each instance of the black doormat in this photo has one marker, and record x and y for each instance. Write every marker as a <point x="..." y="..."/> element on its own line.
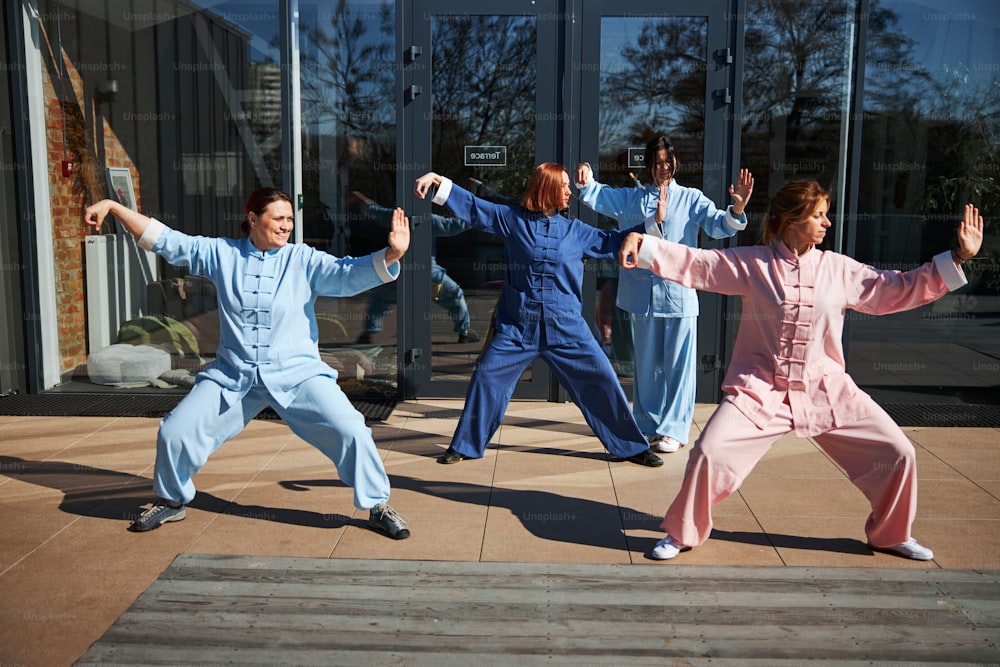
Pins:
<point x="970" y="415"/>
<point x="140" y="405"/>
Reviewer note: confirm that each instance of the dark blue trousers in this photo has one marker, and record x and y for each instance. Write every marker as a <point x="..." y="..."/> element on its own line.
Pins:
<point x="581" y="367"/>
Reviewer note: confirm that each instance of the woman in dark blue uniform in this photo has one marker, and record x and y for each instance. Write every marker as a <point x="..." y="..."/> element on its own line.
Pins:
<point x="540" y="314"/>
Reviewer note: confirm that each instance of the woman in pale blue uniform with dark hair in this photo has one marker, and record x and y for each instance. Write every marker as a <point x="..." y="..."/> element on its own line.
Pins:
<point x="664" y="314"/>
<point x="268" y="351"/>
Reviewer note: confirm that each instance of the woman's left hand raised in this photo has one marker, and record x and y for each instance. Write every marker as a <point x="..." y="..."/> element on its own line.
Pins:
<point x="970" y="233"/>
<point x="399" y="237"/>
<point x="741" y="191"/>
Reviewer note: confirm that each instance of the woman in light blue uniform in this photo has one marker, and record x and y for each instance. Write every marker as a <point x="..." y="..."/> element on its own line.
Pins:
<point x="664" y="314"/>
<point x="268" y="352"/>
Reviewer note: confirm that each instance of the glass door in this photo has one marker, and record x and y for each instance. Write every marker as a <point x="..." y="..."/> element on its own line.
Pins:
<point x="479" y="94"/>
<point x="651" y="68"/>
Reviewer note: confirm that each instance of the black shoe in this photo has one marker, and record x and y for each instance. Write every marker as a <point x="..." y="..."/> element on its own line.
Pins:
<point x="365" y="338"/>
<point x="451" y="456"/>
<point x="162" y="511"/>
<point x="387" y="520"/>
<point x="646" y="458"/>
<point x="468" y="336"/>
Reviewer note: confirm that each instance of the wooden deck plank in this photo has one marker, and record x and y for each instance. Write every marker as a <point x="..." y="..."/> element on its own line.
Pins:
<point x="251" y="610"/>
<point x="157" y="607"/>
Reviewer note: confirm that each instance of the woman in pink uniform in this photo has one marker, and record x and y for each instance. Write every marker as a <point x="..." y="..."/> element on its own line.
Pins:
<point x="787" y="371"/>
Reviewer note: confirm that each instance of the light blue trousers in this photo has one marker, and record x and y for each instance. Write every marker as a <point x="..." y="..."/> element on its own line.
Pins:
<point x="320" y="414"/>
<point x="663" y="390"/>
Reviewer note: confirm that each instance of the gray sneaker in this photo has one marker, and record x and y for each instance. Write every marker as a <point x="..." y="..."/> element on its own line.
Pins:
<point x="160" y="513"/>
<point x="387" y="520"/>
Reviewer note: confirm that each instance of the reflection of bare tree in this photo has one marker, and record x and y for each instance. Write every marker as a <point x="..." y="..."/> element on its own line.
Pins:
<point x="894" y="80"/>
<point x="484" y="93"/>
<point x="347" y="70"/>
<point x="964" y="160"/>
<point x="348" y="116"/>
<point x="658" y="82"/>
<point x="972" y="150"/>
<point x="795" y="70"/>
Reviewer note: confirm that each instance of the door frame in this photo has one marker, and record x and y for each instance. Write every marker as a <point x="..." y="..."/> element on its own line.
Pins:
<point x="723" y="104"/>
<point x="566" y="129"/>
<point x="414" y="148"/>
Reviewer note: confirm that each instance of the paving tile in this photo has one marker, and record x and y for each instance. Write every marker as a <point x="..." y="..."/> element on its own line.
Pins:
<point x="818" y="499"/>
<point x="463" y="541"/>
<point x="566" y="534"/>
<point x="972" y="544"/>
<point x="544" y="492"/>
<point x="956" y="500"/>
<point x="734" y="541"/>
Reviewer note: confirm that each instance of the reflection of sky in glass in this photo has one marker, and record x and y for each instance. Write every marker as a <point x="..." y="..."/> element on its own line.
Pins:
<point x="617" y="31"/>
<point x="260" y="19"/>
<point x="617" y="121"/>
<point x="952" y="33"/>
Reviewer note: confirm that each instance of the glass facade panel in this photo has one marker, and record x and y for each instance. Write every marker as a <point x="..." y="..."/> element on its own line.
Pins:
<point x="347" y="76"/>
<point x="13" y="370"/>
<point x="930" y="143"/>
<point x="483" y="125"/>
<point x="182" y="108"/>
<point x="180" y="112"/>
<point x="796" y="82"/>
<point x="652" y="82"/>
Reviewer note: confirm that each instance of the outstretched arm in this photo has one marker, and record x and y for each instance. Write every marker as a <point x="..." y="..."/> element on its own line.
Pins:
<point x="741" y="191"/>
<point x="134" y="222"/>
<point x="880" y="292"/>
<point x="970" y="235"/>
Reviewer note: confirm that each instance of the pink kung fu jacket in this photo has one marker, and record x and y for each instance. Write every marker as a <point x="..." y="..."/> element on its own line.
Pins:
<point x="789" y="342"/>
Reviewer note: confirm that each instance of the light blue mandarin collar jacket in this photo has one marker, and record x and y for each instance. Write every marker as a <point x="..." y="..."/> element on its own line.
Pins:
<point x="267" y="317"/>
<point x="688" y="209"/>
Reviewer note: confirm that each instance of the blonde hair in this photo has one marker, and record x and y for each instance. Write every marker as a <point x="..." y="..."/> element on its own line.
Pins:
<point x="795" y="201"/>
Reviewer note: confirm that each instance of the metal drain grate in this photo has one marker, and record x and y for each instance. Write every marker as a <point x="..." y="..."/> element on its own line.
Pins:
<point x="138" y="405"/>
<point x="943" y="414"/>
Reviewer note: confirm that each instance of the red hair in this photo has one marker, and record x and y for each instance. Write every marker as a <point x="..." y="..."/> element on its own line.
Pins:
<point x="794" y="202"/>
<point x="544" y="191"/>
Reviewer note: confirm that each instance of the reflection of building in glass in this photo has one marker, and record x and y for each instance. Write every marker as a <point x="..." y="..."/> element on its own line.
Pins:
<point x="188" y="98"/>
<point x="262" y="99"/>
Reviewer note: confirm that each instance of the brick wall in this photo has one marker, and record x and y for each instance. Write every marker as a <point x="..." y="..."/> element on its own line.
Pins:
<point x="70" y="135"/>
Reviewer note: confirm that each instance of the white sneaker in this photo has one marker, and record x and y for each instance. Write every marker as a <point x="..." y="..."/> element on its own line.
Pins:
<point x="909" y="549"/>
<point x="666" y="444"/>
<point x="667" y="548"/>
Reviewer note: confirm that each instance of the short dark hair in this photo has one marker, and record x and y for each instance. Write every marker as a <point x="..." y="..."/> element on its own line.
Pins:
<point x="258" y="201"/>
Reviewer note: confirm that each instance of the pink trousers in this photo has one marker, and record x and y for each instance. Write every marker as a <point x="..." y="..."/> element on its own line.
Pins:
<point x="876" y="455"/>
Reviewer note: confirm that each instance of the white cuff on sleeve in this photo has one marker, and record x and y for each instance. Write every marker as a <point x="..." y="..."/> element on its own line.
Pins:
<point x="385" y="272"/>
<point x="737" y="223"/>
<point x="150" y="234"/>
<point x="647" y="252"/>
<point x="653" y="227"/>
<point x="951" y="273"/>
<point x="443" y="191"/>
